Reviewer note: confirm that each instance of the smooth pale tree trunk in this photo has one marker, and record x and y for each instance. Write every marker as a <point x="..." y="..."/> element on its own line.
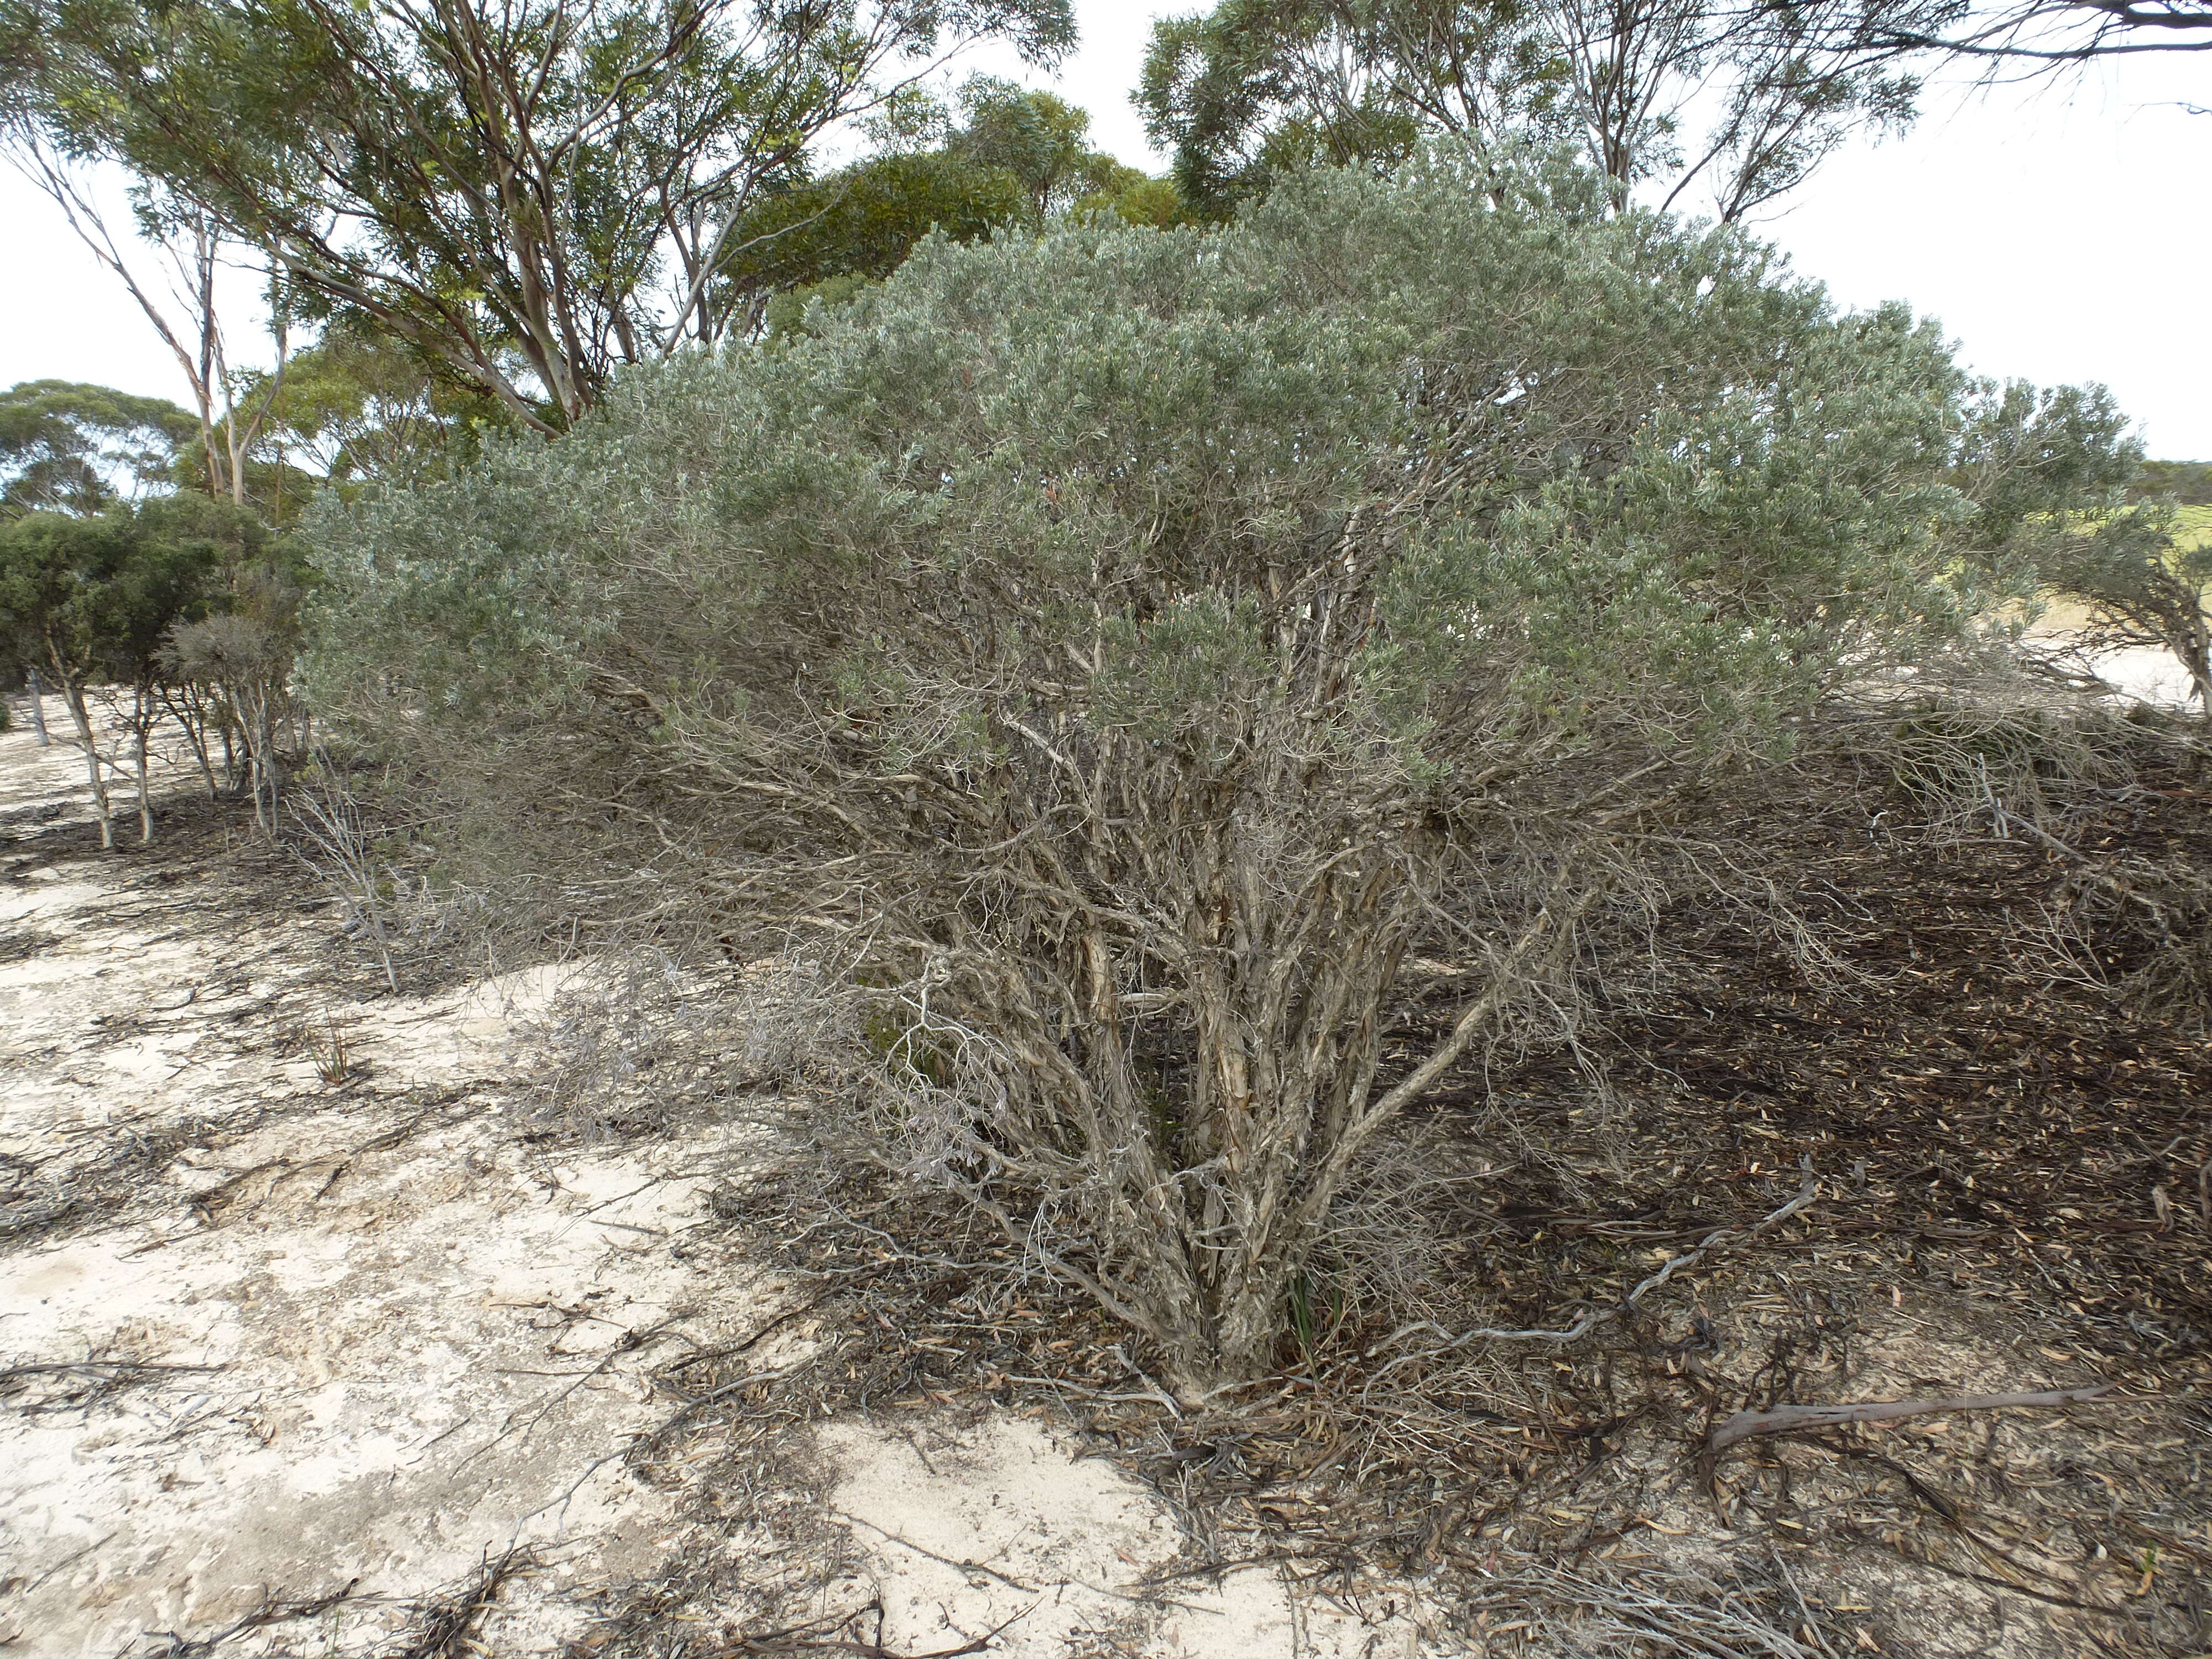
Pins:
<point x="141" y="719"/>
<point x="259" y="727"/>
<point x="145" y="798"/>
<point x="80" y="717"/>
<point x="38" y="711"/>
<point x="261" y="762"/>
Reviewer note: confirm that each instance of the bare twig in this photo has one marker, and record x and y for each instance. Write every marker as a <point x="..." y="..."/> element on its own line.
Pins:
<point x="97" y="1377"/>
<point x="272" y="1611"/>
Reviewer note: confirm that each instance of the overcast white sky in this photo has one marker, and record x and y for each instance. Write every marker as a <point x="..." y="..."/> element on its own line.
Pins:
<point x="2051" y="228"/>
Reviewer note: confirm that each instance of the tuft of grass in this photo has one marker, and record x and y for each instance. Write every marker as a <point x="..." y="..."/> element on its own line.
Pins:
<point x="326" y="1043"/>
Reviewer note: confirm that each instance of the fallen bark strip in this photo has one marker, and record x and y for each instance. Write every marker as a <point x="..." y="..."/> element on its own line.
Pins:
<point x="1783" y="1419"/>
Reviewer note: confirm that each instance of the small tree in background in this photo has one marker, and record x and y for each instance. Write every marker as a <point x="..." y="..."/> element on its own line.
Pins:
<point x="1097" y="657"/>
<point x="224" y="671"/>
<point x="79" y="449"/>
<point x="996" y="157"/>
<point x="357" y="405"/>
<point x="232" y="671"/>
<point x="89" y="600"/>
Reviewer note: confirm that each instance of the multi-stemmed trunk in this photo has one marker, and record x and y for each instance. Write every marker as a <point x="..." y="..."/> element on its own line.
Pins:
<point x="189" y="704"/>
<point x="1144" y="1020"/>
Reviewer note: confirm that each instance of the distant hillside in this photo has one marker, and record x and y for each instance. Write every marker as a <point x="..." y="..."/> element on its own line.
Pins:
<point x="2188" y="483"/>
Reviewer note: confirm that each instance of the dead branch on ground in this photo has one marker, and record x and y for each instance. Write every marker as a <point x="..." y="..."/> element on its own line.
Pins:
<point x="1784" y="1419"/>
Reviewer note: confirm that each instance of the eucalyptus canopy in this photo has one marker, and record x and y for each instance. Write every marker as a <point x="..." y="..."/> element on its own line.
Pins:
<point x="995" y="156"/>
<point x="1722" y="106"/>
<point x="532" y="190"/>
<point x="65" y="448"/>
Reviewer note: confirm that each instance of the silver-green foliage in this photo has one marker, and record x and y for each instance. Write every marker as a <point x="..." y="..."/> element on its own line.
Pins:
<point x="1111" y="649"/>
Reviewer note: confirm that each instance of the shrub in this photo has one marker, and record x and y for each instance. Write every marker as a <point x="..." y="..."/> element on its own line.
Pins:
<point x="1101" y="653"/>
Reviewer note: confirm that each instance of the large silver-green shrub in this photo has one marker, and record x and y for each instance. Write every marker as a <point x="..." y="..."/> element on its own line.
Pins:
<point x="1104" y="652"/>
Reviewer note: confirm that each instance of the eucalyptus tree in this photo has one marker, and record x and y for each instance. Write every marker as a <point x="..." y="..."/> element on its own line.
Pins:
<point x="1096" y="657"/>
<point x="1243" y="93"/>
<point x="358" y="405"/>
<point x="68" y="447"/>
<point x="1039" y="139"/>
<point x="1716" y="104"/>
<point x="994" y="156"/>
<point x="530" y="192"/>
<point x="170" y="259"/>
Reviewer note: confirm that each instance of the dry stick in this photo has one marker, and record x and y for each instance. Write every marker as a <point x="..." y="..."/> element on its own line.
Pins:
<point x="690" y="1410"/>
<point x="270" y="1612"/>
<point x="1783" y="1419"/>
<point x="1948" y="1512"/>
<point x="797" y="1640"/>
<point x="946" y="1561"/>
<point x="1719" y="1632"/>
<point x="2006" y="820"/>
<point x="449" y="1628"/>
<point x="1807" y="1623"/>
<point x="1209" y="1569"/>
<point x="222" y="1195"/>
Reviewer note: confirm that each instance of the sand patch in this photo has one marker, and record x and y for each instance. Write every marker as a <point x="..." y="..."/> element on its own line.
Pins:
<point x="268" y="1335"/>
<point x="1005" y="1527"/>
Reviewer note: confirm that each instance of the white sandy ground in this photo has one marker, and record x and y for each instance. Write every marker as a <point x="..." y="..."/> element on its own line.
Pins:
<point x="2138" y="674"/>
<point x="415" y="1341"/>
<point x="966" y="1533"/>
<point x="400" y="1344"/>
